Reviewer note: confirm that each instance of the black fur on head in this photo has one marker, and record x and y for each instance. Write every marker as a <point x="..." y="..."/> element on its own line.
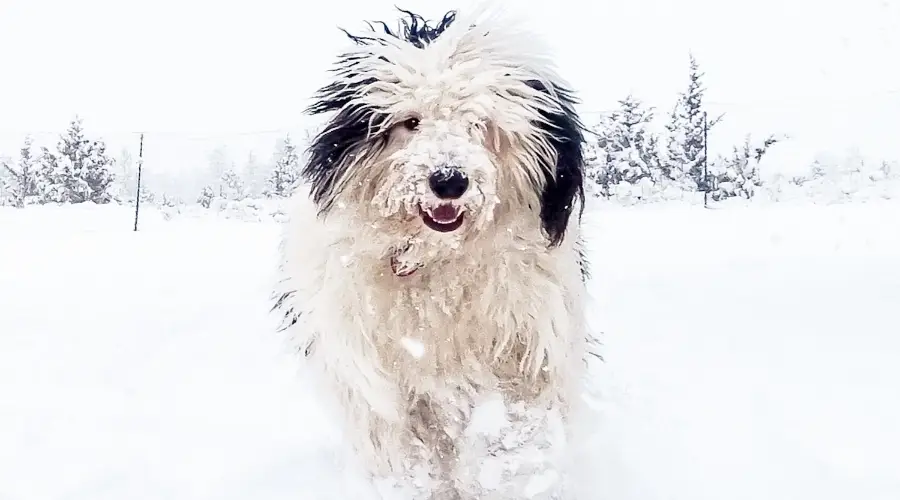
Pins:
<point x="416" y="30"/>
<point x="566" y="187"/>
<point x="344" y="135"/>
<point x="355" y="125"/>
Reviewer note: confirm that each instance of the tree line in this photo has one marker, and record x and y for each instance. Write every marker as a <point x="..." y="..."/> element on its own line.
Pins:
<point x="79" y="169"/>
<point x="76" y="171"/>
<point x="629" y="159"/>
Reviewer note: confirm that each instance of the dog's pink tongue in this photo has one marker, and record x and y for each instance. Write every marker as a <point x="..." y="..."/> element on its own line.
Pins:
<point x="445" y="213"/>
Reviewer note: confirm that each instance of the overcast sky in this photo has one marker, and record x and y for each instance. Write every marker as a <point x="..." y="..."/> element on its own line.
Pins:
<point x="824" y="71"/>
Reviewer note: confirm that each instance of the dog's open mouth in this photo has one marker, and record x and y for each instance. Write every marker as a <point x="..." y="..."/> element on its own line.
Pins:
<point x="443" y="218"/>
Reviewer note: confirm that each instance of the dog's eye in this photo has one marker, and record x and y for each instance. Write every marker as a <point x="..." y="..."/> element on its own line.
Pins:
<point x="410" y="123"/>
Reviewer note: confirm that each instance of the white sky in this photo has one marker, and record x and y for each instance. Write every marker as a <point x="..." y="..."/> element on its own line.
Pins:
<point x="825" y="71"/>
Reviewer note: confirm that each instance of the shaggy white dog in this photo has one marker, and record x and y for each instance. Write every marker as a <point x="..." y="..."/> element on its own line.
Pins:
<point x="432" y="274"/>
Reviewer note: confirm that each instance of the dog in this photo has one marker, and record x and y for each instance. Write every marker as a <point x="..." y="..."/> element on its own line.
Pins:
<point x="432" y="270"/>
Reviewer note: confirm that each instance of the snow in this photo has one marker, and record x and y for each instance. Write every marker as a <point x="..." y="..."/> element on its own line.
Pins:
<point x="413" y="346"/>
<point x="750" y="352"/>
<point x="489" y="417"/>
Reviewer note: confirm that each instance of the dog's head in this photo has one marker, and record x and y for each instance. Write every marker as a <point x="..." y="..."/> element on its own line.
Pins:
<point x="440" y="130"/>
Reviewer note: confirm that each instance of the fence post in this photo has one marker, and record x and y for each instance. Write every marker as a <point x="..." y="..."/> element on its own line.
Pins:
<point x="137" y="198"/>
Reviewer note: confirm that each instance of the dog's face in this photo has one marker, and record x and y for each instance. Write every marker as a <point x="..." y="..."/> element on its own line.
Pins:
<point x="436" y="171"/>
<point x="440" y="131"/>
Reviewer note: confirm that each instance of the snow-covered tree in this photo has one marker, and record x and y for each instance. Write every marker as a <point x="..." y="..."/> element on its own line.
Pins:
<point x="168" y="200"/>
<point x="286" y="173"/>
<point x="51" y="182"/>
<point x="738" y="175"/>
<point x="631" y="146"/>
<point x="21" y="182"/>
<point x="207" y="195"/>
<point x="73" y="149"/>
<point x="626" y="154"/>
<point x="685" y="143"/>
<point x="231" y="186"/>
<point x="78" y="171"/>
<point x="147" y="195"/>
<point x="98" y="173"/>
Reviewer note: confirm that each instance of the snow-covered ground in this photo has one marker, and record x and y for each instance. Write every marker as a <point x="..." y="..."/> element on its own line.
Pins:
<point x="751" y="353"/>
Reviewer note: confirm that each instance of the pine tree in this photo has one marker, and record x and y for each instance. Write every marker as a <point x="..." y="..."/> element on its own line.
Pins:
<point x="286" y="173"/>
<point x="168" y="200"/>
<point x="51" y="183"/>
<point x="73" y="149"/>
<point x="231" y="186"/>
<point x="627" y="152"/>
<point x="675" y="139"/>
<point x="79" y="171"/>
<point x="686" y="143"/>
<point x="21" y="183"/>
<point x="739" y="175"/>
<point x="207" y="195"/>
<point x="147" y="195"/>
<point x="642" y="160"/>
<point x="98" y="173"/>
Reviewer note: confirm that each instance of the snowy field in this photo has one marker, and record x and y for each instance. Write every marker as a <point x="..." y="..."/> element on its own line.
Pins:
<point x="751" y="354"/>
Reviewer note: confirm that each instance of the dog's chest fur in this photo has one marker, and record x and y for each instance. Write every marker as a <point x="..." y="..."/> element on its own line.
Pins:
<point x="452" y="317"/>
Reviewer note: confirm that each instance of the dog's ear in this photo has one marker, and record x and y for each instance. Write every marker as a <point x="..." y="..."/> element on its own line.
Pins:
<point x="349" y="133"/>
<point x="564" y="184"/>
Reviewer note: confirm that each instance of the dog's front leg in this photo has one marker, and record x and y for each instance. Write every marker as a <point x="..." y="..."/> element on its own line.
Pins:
<point x="436" y="424"/>
<point x="514" y="451"/>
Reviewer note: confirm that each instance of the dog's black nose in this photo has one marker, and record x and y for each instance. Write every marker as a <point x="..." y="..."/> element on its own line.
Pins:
<point x="448" y="183"/>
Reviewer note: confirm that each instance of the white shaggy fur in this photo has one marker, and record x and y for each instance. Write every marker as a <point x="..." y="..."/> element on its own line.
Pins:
<point x="457" y="380"/>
